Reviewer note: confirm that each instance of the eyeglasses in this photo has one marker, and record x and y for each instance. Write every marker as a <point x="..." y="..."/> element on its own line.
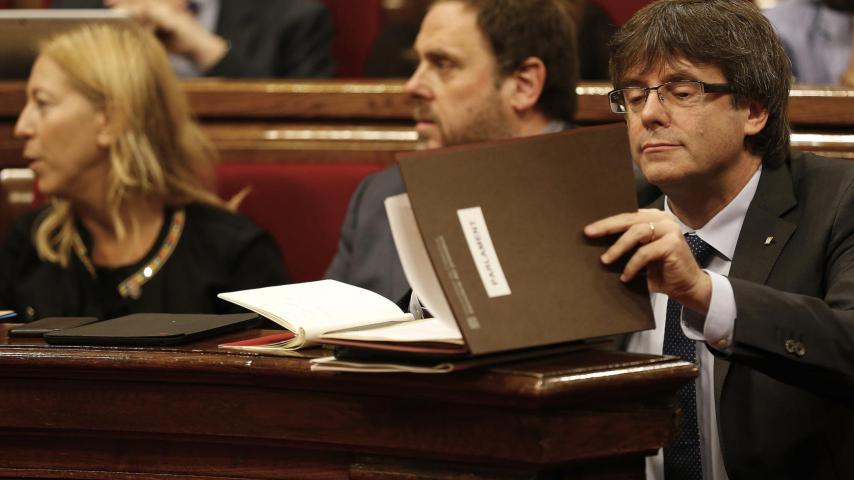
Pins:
<point x="681" y="94"/>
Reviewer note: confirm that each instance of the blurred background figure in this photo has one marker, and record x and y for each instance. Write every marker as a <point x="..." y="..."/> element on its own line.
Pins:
<point x="347" y="38"/>
<point x="236" y="38"/>
<point x="23" y="3"/>
<point x="595" y="29"/>
<point x="817" y="36"/>
<point x="392" y="54"/>
<point x="131" y="225"/>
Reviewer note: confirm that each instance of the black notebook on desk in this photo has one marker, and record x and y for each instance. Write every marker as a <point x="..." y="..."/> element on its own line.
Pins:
<point x="153" y="329"/>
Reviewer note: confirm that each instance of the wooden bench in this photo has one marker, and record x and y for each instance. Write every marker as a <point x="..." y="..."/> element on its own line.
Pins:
<point x="336" y="121"/>
<point x="320" y="138"/>
<point x="16" y="196"/>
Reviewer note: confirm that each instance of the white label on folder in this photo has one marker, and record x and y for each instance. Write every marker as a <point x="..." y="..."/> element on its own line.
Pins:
<point x="483" y="252"/>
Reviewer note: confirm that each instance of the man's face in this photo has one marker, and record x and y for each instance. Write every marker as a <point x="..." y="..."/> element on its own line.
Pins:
<point x="689" y="146"/>
<point x="454" y="86"/>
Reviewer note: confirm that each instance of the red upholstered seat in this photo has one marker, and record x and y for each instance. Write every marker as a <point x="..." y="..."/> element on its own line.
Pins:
<point x="357" y="25"/>
<point x="301" y="205"/>
<point x="621" y="10"/>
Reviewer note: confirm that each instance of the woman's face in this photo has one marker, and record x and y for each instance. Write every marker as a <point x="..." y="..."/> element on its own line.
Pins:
<point x="66" y="136"/>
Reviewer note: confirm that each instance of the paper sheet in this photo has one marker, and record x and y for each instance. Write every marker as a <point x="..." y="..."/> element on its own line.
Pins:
<point x="416" y="263"/>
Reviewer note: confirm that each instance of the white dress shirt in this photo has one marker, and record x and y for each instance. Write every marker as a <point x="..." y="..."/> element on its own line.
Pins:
<point x="715" y="328"/>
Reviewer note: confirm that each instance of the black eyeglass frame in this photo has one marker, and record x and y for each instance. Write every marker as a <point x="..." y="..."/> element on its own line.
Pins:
<point x="704" y="89"/>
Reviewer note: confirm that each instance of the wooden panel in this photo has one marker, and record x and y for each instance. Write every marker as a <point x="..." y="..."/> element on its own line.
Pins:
<point x="811" y="107"/>
<point x="386" y="100"/>
<point x="315" y="99"/>
<point x="822" y="107"/>
<point x="326" y="99"/>
<point x="280" y="121"/>
<point x="278" y="142"/>
<point x="198" y="412"/>
<point x="839" y="145"/>
<point x="16" y="196"/>
<point x="284" y="142"/>
<point x="368" y="121"/>
<point x="593" y="106"/>
<point x="12" y="99"/>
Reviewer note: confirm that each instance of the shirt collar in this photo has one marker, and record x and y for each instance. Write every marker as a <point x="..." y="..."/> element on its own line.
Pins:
<point x="555" y="126"/>
<point x="722" y="231"/>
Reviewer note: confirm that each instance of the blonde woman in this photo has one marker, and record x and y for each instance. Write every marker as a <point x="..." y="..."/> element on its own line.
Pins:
<point x="131" y="225"/>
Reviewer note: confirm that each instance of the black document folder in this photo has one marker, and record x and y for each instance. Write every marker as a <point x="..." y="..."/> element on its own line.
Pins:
<point x="153" y="329"/>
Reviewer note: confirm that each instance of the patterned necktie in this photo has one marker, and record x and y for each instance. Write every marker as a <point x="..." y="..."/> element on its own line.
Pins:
<point x="682" y="456"/>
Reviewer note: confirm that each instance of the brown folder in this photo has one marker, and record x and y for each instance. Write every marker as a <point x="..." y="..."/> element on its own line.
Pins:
<point x="543" y="282"/>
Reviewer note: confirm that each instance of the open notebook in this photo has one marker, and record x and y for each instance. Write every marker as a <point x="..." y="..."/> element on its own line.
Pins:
<point x="311" y="309"/>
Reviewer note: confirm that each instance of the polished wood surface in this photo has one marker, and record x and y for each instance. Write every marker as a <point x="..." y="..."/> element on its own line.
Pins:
<point x="277" y="121"/>
<point x="16" y="196"/>
<point x="368" y="121"/>
<point x="198" y="412"/>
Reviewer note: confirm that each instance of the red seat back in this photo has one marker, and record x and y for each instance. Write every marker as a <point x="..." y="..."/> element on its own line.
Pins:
<point x="357" y="25"/>
<point x="621" y="10"/>
<point x="301" y="205"/>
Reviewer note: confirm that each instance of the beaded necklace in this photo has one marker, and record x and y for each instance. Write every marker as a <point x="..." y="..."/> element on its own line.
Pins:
<point x="131" y="287"/>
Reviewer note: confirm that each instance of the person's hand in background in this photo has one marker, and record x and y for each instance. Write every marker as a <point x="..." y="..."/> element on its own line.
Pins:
<point x="176" y="26"/>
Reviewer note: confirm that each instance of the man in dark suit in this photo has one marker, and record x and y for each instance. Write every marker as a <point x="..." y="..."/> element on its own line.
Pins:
<point x="756" y="242"/>
<point x="236" y="38"/>
<point x="488" y="69"/>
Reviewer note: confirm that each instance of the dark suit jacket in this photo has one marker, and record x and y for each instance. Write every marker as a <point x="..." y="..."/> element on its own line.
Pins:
<point x="781" y="415"/>
<point x="366" y="253"/>
<point x="269" y="38"/>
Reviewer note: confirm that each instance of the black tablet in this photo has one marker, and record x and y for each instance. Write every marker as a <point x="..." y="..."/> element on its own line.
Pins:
<point x="153" y="329"/>
<point x="49" y="324"/>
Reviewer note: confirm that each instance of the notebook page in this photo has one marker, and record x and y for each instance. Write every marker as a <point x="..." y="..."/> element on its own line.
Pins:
<point x="416" y="264"/>
<point x="318" y="307"/>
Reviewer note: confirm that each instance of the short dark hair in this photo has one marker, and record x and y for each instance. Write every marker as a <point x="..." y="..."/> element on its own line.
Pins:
<point x="729" y="34"/>
<point x="518" y="29"/>
<point x="845" y="6"/>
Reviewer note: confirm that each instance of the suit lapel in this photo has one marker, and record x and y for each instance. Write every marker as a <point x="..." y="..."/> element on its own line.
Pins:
<point x="763" y="235"/>
<point x="764" y="232"/>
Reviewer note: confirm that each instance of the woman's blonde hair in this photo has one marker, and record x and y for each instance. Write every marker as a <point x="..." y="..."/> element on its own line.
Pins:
<point x="159" y="151"/>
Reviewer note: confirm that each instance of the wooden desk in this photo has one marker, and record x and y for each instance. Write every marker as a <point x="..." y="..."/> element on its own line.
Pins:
<point x="199" y="413"/>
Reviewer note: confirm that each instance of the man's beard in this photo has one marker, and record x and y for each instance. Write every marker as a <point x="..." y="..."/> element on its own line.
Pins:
<point x="488" y="123"/>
